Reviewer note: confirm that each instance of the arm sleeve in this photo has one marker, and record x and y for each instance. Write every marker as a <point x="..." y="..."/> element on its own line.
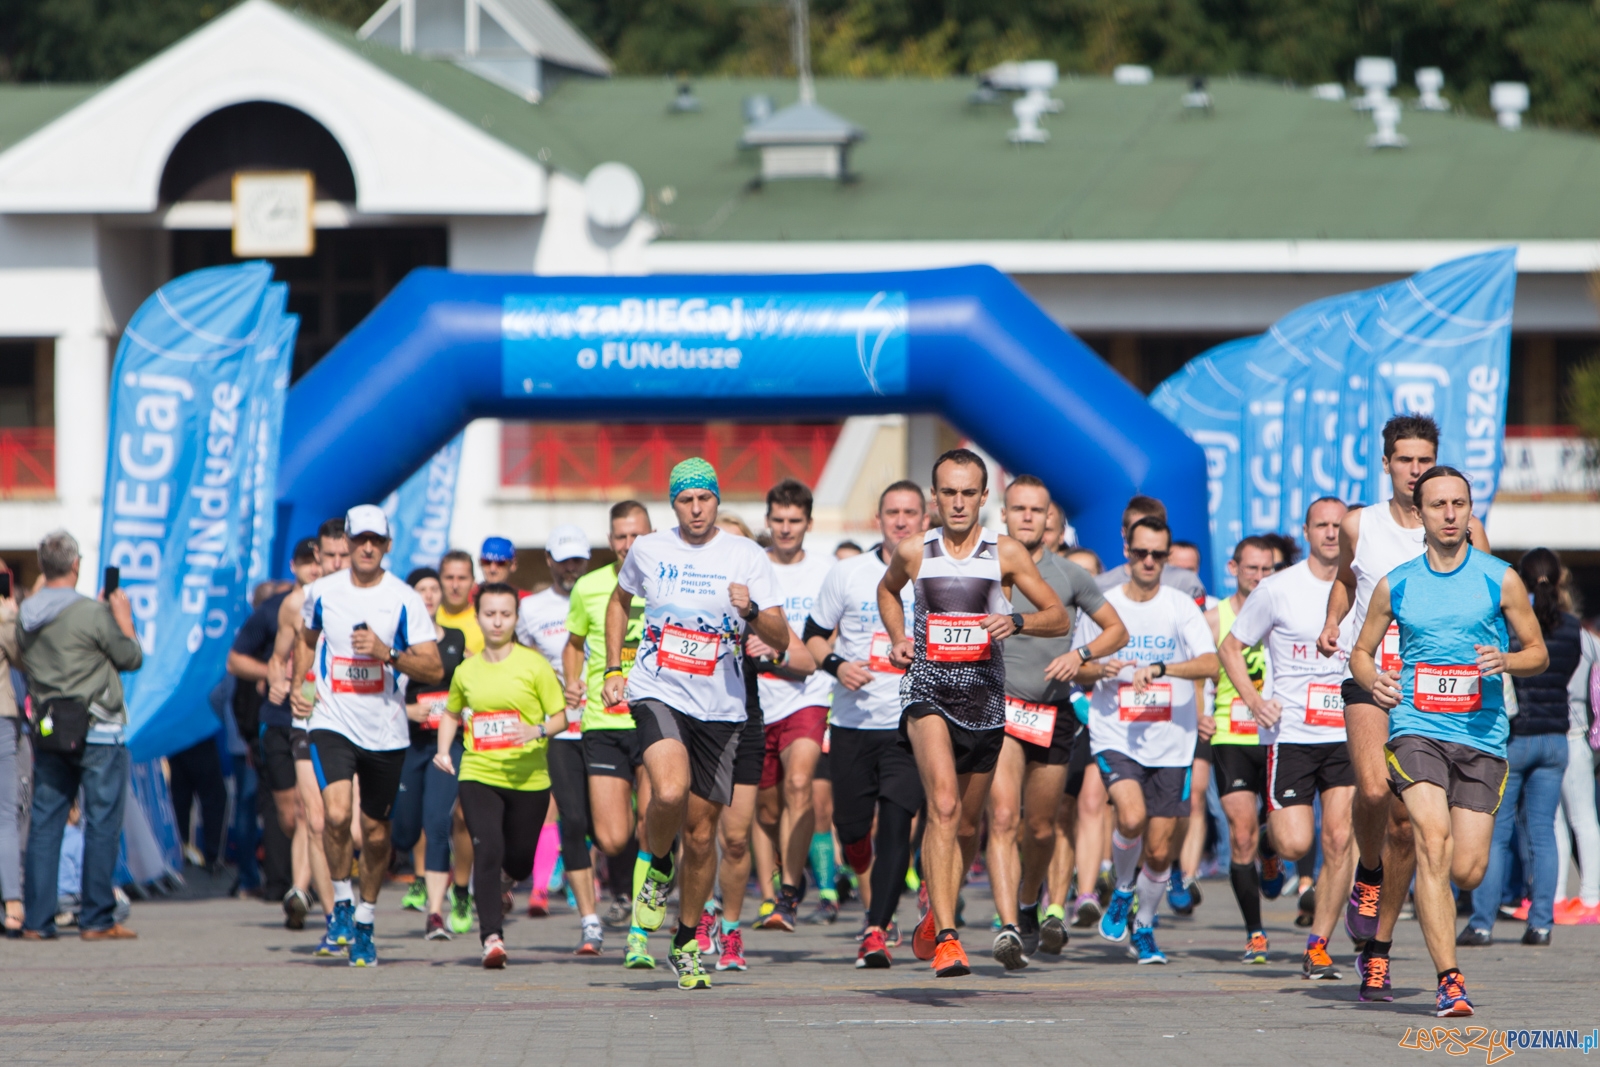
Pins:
<point x="829" y="605"/>
<point x="1085" y="592"/>
<point x="631" y="574"/>
<point x="1197" y="639"/>
<point x="1254" y="620"/>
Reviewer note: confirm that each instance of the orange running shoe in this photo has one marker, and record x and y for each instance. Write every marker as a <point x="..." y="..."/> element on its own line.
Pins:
<point x="950" y="959"/>
<point x="1256" y="950"/>
<point x="922" y="937"/>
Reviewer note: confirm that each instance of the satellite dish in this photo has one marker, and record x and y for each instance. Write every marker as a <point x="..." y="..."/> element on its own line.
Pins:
<point x="614" y="194"/>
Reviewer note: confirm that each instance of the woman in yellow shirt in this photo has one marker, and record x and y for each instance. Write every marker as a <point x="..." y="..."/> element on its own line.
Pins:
<point x="508" y="701"/>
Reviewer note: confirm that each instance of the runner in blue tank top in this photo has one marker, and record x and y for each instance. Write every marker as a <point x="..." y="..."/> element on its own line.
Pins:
<point x="1447" y="724"/>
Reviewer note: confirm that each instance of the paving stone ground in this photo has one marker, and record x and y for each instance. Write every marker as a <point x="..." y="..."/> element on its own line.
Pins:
<point x="216" y="980"/>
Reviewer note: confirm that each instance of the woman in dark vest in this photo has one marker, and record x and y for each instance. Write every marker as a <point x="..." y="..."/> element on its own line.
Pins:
<point x="1538" y="760"/>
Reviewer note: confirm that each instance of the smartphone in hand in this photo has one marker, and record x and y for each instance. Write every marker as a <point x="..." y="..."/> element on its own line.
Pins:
<point x="5" y="585"/>
<point x="113" y="578"/>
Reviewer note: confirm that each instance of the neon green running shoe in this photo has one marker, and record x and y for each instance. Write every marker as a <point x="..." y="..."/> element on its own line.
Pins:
<point x="416" y="898"/>
<point x="685" y="961"/>
<point x="460" y="918"/>
<point x="650" y="906"/>
<point x="638" y="958"/>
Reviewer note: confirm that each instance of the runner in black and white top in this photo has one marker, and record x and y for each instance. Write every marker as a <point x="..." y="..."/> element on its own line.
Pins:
<point x="1301" y="719"/>
<point x="362" y="627"/>
<point x="703" y="590"/>
<point x="1143" y="723"/>
<point x="874" y="778"/>
<point x="953" y="693"/>
<point x="542" y="626"/>
<point x="1041" y="730"/>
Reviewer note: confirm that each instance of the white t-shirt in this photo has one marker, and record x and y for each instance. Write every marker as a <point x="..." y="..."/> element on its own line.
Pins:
<point x="1288" y="609"/>
<point x="690" y="655"/>
<point x="542" y="626"/>
<point x="848" y="600"/>
<point x="798" y="584"/>
<point x="1158" y="727"/>
<point x="357" y="696"/>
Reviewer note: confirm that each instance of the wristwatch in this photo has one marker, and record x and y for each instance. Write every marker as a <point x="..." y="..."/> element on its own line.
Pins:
<point x="749" y="614"/>
<point x="1016" y="621"/>
<point x="1084" y="654"/>
<point x="394" y="657"/>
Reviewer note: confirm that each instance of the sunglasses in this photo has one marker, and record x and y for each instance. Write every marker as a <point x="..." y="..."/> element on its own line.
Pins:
<point x="1158" y="554"/>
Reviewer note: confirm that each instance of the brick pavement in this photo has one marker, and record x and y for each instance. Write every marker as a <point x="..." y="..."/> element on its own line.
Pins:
<point x="219" y="980"/>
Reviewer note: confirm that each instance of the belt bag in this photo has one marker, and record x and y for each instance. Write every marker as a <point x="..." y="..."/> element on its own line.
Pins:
<point x="62" y="725"/>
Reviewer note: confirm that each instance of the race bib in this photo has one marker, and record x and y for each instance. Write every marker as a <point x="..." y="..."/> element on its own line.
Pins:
<point x="356" y="674"/>
<point x="1241" y="720"/>
<point x="619" y="708"/>
<point x="1324" y="705"/>
<point x="957" y="639"/>
<point x="494" y="730"/>
<point x="433" y="704"/>
<point x="1033" y="723"/>
<point x="1452" y="687"/>
<point x="1389" y="657"/>
<point x="1152" y="705"/>
<point x="689" y="651"/>
<point x="878" y="655"/>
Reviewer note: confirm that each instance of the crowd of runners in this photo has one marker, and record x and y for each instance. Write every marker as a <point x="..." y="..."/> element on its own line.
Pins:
<point x="710" y="707"/>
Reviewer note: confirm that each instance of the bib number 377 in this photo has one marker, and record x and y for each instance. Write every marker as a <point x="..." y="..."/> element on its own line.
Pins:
<point x="1453" y="687"/>
<point x="957" y="639"/>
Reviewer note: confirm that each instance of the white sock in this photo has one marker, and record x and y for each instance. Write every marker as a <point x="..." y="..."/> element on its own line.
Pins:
<point x="1125" y="857"/>
<point x="590" y="919"/>
<point x="1152" y="887"/>
<point x="343" y="891"/>
<point x="366" y="913"/>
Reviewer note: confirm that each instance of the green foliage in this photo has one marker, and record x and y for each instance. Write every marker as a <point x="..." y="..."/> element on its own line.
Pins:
<point x="1554" y="45"/>
<point x="1583" y="398"/>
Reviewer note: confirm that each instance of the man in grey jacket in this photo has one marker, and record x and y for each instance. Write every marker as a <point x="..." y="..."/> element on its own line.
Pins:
<point x="75" y="647"/>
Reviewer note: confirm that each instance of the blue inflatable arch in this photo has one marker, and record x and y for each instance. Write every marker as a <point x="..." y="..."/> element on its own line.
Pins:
<point x="445" y="348"/>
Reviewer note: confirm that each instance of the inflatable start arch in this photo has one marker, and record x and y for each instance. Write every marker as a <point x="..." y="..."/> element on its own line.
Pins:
<point x="445" y="348"/>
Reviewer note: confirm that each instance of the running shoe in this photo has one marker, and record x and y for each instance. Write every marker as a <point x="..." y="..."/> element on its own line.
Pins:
<point x="1144" y="948"/>
<point x="1104" y="885"/>
<point x="435" y="929"/>
<point x="620" y="915"/>
<point x="1316" y="965"/>
<point x="1272" y="877"/>
<point x="494" y="953"/>
<point x="343" y="927"/>
<point x="295" y="906"/>
<point x="891" y="934"/>
<point x="1520" y="912"/>
<point x="416" y="898"/>
<point x="1114" y="923"/>
<point x="460" y="920"/>
<point x="594" y="939"/>
<point x="950" y="959"/>
<point x="1086" y="912"/>
<point x="1028" y="928"/>
<point x="1361" y="913"/>
<point x="1374" y="971"/>
<point x="922" y="937"/>
<point x="763" y="913"/>
<point x="1008" y="949"/>
<point x="1178" y="895"/>
<point x="650" y="906"/>
<point x="538" y="904"/>
<point x="1452" y="999"/>
<point x="685" y="961"/>
<point x="706" y="931"/>
<point x="782" y="916"/>
<point x="874" y="952"/>
<point x="826" y="914"/>
<point x="732" y="958"/>
<point x="1255" y="950"/>
<point x="363" y="953"/>
<point x="637" y="957"/>
<point x="329" y="945"/>
<point x="1193" y="885"/>
<point x="1052" y="933"/>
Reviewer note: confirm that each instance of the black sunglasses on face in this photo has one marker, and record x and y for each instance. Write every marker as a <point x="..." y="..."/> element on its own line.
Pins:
<point x="1158" y="554"/>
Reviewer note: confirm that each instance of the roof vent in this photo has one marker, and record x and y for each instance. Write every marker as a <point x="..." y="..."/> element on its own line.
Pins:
<point x="1376" y="75"/>
<point x="1132" y="74"/>
<point x="1197" y="99"/>
<point x="1509" y="100"/>
<point x="1034" y="79"/>
<point x="685" y="101"/>
<point x="803" y="141"/>
<point x="757" y="107"/>
<point x="1327" y="91"/>
<point x="1028" y="110"/>
<point x="1429" y="81"/>
<point x="1386" y="115"/>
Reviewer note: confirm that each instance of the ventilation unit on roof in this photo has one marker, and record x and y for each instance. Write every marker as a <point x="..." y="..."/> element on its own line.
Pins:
<point x="1132" y="74"/>
<point x="1429" y="81"/>
<point x="1028" y="131"/>
<point x="1376" y="75"/>
<point x="1197" y="99"/>
<point x="1386" y="116"/>
<point x="1034" y="79"/>
<point x="1327" y="91"/>
<point x="805" y="139"/>
<point x="1509" y="100"/>
<point x="685" y="101"/>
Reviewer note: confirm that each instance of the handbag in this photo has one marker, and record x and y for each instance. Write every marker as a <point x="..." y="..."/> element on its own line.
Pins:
<point x="61" y="725"/>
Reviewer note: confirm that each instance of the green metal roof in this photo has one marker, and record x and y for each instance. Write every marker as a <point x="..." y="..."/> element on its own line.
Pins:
<point x="25" y="108"/>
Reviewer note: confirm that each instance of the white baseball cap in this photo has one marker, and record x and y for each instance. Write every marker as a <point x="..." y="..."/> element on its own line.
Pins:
<point x="567" y="542"/>
<point x="366" y="518"/>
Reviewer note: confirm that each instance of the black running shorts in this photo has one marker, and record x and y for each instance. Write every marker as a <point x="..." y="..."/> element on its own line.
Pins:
<point x="612" y="753"/>
<point x="868" y="766"/>
<point x="1296" y="773"/>
<point x="1239" y="768"/>
<point x="338" y="759"/>
<point x="712" y="746"/>
<point x="277" y="757"/>
<point x="976" y="751"/>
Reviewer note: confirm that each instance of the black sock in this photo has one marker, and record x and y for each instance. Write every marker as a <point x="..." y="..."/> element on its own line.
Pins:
<point x="1379" y="948"/>
<point x="1030" y="910"/>
<point x="1369" y="875"/>
<point x="684" y="935"/>
<point x="662" y="863"/>
<point x="620" y="868"/>
<point x="1247" y="891"/>
<point x="946" y="935"/>
<point x="1446" y="974"/>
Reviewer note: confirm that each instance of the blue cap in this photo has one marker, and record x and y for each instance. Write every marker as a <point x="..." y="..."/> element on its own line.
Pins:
<point x="498" y="550"/>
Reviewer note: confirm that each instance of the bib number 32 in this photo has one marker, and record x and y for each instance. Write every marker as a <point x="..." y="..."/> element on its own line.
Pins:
<point x="689" y="651"/>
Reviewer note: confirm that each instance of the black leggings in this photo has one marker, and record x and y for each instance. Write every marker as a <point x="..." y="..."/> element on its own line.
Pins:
<point x="197" y="773"/>
<point x="569" y="787"/>
<point x="891" y="859"/>
<point x="505" y="826"/>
